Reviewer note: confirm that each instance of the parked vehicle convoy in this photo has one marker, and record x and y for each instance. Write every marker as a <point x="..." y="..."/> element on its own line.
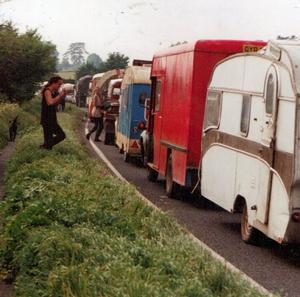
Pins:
<point x="180" y="77"/>
<point x="135" y="89"/>
<point x="82" y="90"/>
<point x="250" y="144"/>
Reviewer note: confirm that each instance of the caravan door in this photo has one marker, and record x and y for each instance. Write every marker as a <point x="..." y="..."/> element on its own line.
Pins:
<point x="268" y="128"/>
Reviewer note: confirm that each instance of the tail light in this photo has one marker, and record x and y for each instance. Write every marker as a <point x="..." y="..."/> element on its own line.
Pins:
<point x="141" y="126"/>
<point x="296" y="216"/>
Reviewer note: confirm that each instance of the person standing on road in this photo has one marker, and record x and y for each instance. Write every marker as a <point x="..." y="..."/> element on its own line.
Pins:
<point x="53" y="133"/>
<point x="97" y="115"/>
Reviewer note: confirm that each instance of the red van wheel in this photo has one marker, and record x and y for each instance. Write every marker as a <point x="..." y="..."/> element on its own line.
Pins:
<point x="171" y="186"/>
<point x="152" y="174"/>
<point x="249" y="233"/>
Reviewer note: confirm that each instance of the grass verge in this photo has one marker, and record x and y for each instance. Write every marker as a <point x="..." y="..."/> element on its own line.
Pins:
<point x="27" y="118"/>
<point x="71" y="229"/>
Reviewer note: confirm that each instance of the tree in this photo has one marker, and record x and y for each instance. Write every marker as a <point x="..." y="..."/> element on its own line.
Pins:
<point x="25" y="60"/>
<point x="116" y="60"/>
<point x="76" y="53"/>
<point x="65" y="64"/>
<point x="94" y="60"/>
<point x="85" y="70"/>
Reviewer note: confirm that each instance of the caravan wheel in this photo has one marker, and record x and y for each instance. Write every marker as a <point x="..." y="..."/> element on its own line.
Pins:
<point x="249" y="233"/>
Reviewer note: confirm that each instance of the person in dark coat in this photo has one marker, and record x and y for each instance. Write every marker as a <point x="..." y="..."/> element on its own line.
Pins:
<point x="53" y="133"/>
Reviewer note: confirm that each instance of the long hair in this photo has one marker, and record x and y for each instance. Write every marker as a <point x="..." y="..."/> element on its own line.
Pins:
<point x="52" y="80"/>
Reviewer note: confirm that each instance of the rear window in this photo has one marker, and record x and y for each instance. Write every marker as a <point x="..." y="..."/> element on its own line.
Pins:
<point x="270" y="94"/>
<point x="212" y="110"/>
<point x="245" y="116"/>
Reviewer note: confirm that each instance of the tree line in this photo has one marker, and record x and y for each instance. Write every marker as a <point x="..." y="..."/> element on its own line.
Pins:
<point x="74" y="60"/>
<point x="26" y="60"/>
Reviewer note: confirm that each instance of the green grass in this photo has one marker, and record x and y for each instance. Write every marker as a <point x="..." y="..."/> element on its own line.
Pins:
<point x="71" y="229"/>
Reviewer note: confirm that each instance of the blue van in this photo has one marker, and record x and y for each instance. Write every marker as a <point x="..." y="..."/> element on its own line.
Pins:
<point x="135" y="89"/>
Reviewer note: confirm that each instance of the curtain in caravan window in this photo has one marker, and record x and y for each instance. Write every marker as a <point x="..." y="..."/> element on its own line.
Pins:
<point x="245" y="116"/>
<point x="212" y="110"/>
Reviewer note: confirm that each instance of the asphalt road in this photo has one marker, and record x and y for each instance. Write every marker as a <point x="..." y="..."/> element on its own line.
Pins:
<point x="275" y="267"/>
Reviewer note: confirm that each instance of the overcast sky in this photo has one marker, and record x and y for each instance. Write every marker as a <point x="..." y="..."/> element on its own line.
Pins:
<point x="140" y="28"/>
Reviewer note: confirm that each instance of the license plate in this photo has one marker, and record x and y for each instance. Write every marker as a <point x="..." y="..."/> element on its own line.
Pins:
<point x="251" y="48"/>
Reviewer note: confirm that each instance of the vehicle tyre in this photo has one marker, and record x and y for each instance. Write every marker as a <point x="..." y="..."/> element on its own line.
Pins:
<point x="106" y="139"/>
<point x="126" y="157"/>
<point x="152" y="174"/>
<point x="171" y="187"/>
<point x="249" y="234"/>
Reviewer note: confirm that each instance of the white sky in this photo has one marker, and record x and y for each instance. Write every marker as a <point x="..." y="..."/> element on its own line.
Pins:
<point x="139" y="28"/>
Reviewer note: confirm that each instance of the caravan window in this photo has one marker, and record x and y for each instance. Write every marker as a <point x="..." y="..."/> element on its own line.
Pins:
<point x="270" y="94"/>
<point x="212" y="110"/>
<point x="245" y="116"/>
<point x="157" y="95"/>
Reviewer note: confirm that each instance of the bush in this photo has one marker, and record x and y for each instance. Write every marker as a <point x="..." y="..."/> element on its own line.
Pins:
<point x="28" y="117"/>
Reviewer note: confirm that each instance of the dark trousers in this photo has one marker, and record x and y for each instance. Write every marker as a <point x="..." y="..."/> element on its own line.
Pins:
<point x="53" y="134"/>
<point x="98" y="127"/>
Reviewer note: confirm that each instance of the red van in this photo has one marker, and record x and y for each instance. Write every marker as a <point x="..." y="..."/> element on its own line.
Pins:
<point x="180" y="76"/>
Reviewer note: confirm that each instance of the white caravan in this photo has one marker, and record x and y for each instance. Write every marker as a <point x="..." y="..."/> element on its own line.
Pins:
<point x="251" y="140"/>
